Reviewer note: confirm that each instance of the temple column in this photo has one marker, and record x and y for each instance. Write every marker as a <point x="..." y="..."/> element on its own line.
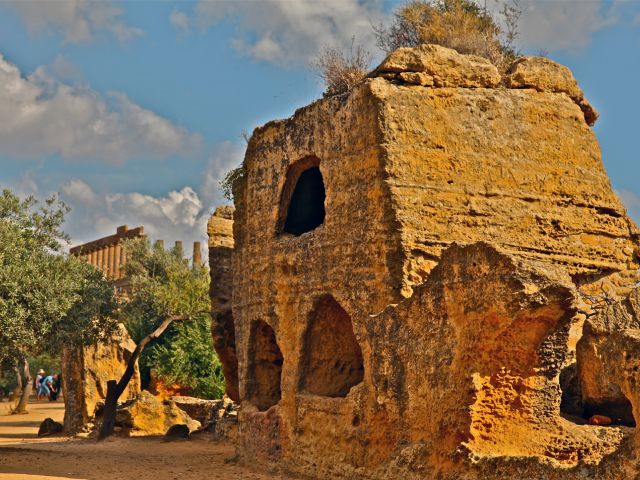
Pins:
<point x="123" y="255"/>
<point x="197" y="254"/>
<point x="110" y="259"/>
<point x="116" y="262"/>
<point x="98" y="260"/>
<point x="93" y="257"/>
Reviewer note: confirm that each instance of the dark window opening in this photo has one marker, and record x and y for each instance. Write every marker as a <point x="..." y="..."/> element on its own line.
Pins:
<point x="265" y="367"/>
<point x="303" y="198"/>
<point x="332" y="358"/>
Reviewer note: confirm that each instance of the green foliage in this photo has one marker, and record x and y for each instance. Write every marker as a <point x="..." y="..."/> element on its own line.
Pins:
<point x="229" y="179"/>
<point x="185" y="356"/>
<point x="7" y="377"/>
<point x="163" y="283"/>
<point x="47" y="298"/>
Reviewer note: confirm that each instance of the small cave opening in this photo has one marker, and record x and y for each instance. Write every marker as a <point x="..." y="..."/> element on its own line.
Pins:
<point x="579" y="408"/>
<point x="618" y="409"/>
<point x="302" y="204"/>
<point x="265" y="367"/>
<point x="331" y="359"/>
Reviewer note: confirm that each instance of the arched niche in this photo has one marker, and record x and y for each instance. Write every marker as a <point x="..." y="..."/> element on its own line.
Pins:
<point x="331" y="361"/>
<point x="265" y="366"/>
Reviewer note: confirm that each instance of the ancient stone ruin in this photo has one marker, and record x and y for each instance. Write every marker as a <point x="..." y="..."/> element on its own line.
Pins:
<point x="108" y="254"/>
<point x="432" y="278"/>
<point x="86" y="371"/>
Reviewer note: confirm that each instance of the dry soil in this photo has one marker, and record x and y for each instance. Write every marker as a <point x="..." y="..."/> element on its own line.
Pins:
<point x="23" y="456"/>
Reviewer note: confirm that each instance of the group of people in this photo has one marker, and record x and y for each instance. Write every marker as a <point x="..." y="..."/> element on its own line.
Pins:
<point x="48" y="386"/>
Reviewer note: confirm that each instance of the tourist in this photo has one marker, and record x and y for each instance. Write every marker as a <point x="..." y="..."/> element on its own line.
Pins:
<point x="57" y="387"/>
<point x="40" y="391"/>
<point x="48" y="384"/>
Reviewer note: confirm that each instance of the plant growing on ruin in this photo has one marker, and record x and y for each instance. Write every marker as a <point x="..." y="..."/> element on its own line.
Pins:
<point x="229" y="179"/>
<point x="463" y="25"/>
<point x="163" y="288"/>
<point x="340" y="70"/>
<point x="47" y="298"/>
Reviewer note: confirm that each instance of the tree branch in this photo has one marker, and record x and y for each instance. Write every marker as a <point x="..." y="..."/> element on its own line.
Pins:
<point x="128" y="373"/>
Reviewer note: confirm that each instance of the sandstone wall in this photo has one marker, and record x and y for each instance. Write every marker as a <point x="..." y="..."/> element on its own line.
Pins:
<point x="517" y="166"/>
<point x="85" y="372"/>
<point x="379" y="339"/>
<point x="220" y="231"/>
<point x="354" y="256"/>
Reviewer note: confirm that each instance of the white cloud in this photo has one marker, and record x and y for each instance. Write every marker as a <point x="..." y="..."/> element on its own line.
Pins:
<point x="554" y="25"/>
<point x="41" y="116"/>
<point x="64" y="69"/>
<point x="27" y="185"/>
<point x="177" y="215"/>
<point x="286" y="32"/>
<point x="631" y="200"/>
<point x="78" y="191"/>
<point x="179" y="19"/>
<point x="77" y="20"/>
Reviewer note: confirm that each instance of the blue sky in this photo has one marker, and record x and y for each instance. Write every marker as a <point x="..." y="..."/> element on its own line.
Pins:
<point x="134" y="111"/>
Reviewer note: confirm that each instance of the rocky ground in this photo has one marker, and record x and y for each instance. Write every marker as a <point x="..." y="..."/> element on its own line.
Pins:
<point x="23" y="456"/>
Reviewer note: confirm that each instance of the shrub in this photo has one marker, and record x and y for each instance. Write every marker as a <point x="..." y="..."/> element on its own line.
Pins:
<point x="462" y="25"/>
<point x="340" y="70"/>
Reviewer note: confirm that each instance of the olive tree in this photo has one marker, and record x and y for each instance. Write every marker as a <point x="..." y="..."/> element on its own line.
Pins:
<point x="47" y="298"/>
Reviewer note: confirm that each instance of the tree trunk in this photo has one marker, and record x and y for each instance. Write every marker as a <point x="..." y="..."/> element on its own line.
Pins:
<point x="110" y="410"/>
<point x="16" y="391"/>
<point x="26" y="389"/>
<point x="114" y="390"/>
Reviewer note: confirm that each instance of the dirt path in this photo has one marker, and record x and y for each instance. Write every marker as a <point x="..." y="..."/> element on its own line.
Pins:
<point x="23" y="456"/>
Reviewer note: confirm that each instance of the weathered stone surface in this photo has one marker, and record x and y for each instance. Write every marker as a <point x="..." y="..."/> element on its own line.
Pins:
<point x="546" y="75"/>
<point x="416" y="78"/>
<point x="147" y="415"/>
<point x="421" y="319"/>
<point x="220" y="231"/>
<point x="86" y="371"/>
<point x="447" y="67"/>
<point x="483" y="341"/>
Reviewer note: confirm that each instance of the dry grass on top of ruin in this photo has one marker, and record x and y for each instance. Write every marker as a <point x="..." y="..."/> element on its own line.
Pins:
<point x="461" y="25"/>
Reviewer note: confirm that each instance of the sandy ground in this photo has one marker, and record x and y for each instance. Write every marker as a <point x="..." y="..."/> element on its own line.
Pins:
<point x="23" y="456"/>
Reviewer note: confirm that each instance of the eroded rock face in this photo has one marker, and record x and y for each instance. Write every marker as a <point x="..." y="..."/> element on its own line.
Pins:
<point x="420" y="321"/>
<point x="86" y="371"/>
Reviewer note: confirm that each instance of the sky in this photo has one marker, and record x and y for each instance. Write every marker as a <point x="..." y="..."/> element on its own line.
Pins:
<point x="134" y="111"/>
